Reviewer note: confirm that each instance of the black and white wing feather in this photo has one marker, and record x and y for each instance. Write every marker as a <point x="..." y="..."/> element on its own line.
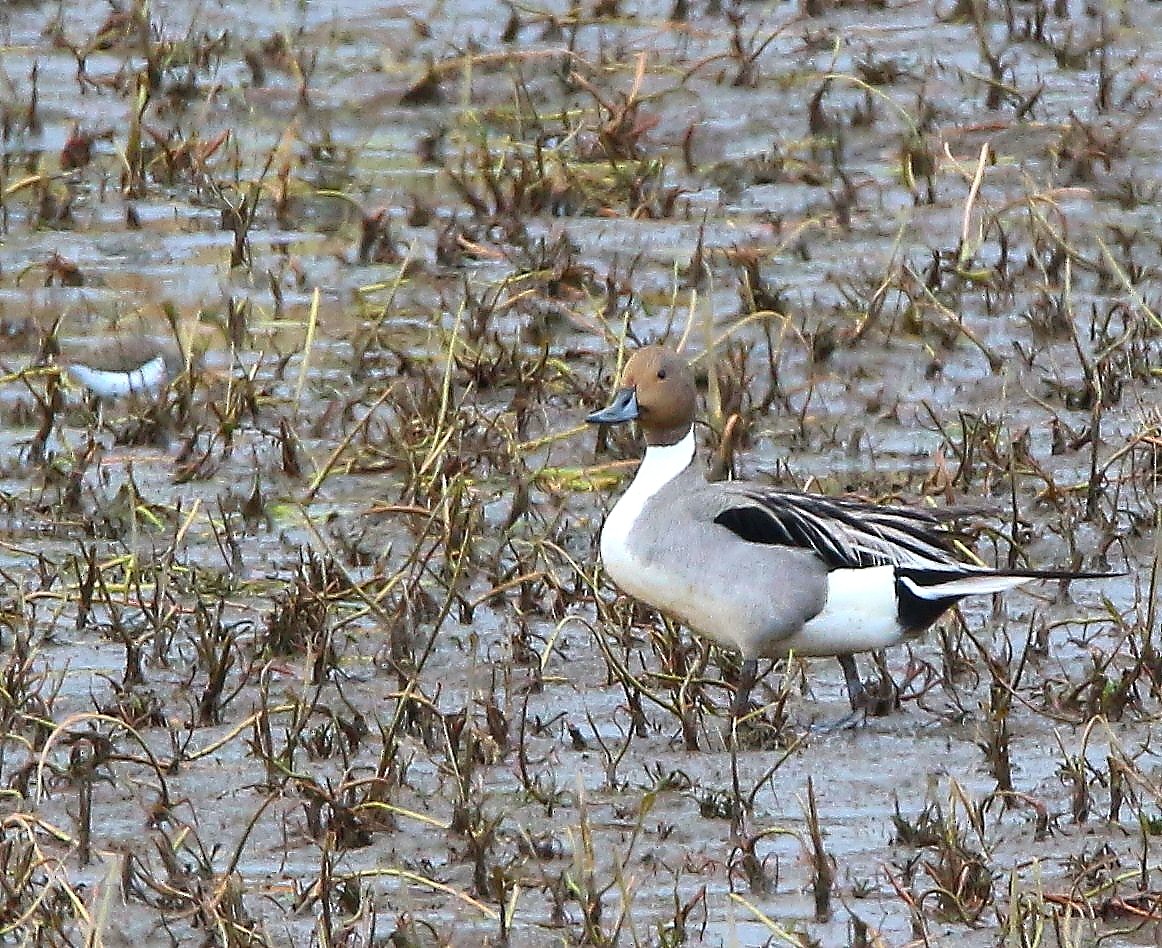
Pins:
<point x="845" y="534"/>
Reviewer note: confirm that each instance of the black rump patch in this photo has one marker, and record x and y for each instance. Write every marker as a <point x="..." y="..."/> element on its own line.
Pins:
<point x="914" y="612"/>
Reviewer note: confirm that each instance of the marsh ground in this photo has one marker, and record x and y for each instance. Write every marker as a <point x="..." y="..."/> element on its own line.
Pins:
<point x="315" y="649"/>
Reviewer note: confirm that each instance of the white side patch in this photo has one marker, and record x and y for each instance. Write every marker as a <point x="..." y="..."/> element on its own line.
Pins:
<point x="145" y="380"/>
<point x="966" y="586"/>
<point x="860" y="615"/>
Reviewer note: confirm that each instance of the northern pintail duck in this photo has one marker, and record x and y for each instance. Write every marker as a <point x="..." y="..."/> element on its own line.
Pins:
<point x="770" y="572"/>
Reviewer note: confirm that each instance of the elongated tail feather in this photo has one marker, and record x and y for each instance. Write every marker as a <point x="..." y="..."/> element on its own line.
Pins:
<point x="954" y="587"/>
<point x="925" y="594"/>
<point x="967" y="581"/>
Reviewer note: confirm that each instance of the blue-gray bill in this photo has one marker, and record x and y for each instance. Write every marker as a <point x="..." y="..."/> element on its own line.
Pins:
<point x="623" y="408"/>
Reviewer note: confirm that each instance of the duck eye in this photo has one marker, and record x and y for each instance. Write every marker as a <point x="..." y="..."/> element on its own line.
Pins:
<point x="661" y="373"/>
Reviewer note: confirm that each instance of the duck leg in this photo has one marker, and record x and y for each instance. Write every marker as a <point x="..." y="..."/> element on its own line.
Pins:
<point x="747" y="674"/>
<point x="883" y="699"/>
<point x="856" y="693"/>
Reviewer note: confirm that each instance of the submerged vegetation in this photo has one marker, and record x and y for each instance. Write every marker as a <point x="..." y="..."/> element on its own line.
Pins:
<point x="313" y="647"/>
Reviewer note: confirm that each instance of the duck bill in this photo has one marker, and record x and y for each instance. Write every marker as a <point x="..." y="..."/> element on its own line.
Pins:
<point x="622" y="409"/>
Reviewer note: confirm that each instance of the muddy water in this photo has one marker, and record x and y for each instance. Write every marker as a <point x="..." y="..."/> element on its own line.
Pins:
<point x="888" y="314"/>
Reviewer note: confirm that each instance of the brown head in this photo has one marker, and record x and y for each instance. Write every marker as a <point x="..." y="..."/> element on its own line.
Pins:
<point x="657" y="388"/>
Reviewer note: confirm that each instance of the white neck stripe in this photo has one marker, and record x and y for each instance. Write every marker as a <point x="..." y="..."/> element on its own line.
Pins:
<point x="662" y="463"/>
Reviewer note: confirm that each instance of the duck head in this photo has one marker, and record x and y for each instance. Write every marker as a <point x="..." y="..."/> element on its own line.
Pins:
<point x="657" y="389"/>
